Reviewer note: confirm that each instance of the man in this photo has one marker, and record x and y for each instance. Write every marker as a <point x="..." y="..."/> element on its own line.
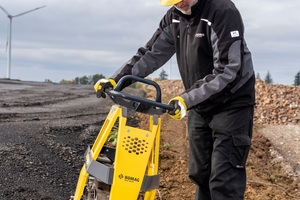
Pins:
<point x="217" y="72"/>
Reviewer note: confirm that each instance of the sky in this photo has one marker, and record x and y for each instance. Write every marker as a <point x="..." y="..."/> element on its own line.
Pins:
<point x="74" y="38"/>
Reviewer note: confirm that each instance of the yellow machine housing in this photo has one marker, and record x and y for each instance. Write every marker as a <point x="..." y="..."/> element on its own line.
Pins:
<point x="135" y="167"/>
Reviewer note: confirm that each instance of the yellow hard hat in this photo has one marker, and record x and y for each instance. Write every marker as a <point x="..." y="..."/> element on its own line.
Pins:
<point x="169" y="2"/>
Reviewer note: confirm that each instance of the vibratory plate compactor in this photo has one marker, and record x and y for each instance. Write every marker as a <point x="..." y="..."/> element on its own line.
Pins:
<point x="128" y="171"/>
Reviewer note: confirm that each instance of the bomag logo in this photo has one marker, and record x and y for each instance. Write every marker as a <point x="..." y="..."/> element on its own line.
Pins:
<point x="129" y="178"/>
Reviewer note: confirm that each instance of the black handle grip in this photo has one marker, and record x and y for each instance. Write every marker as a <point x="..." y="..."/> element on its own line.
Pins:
<point x="139" y="104"/>
<point x="126" y="78"/>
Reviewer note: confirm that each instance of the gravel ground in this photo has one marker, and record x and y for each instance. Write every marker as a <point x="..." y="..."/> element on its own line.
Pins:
<point x="45" y="129"/>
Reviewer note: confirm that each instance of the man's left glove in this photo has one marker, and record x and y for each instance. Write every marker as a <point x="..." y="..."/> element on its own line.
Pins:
<point x="179" y="110"/>
<point x="102" y="85"/>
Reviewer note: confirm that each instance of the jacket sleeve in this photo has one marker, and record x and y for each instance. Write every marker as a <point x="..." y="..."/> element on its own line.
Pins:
<point x="158" y="50"/>
<point x="231" y="59"/>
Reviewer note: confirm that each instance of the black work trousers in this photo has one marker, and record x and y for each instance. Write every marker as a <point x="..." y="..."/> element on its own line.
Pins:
<point x="219" y="146"/>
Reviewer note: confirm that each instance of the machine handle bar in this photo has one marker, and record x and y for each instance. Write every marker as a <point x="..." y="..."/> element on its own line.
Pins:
<point x="139" y="104"/>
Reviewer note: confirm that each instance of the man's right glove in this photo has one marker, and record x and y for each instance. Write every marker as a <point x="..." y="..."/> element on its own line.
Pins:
<point x="102" y="85"/>
<point x="179" y="110"/>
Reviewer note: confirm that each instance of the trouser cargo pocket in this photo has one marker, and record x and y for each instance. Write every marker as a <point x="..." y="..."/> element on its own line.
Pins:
<point x="240" y="150"/>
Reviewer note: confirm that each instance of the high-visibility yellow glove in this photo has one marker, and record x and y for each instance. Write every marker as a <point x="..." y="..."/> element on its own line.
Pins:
<point x="102" y="85"/>
<point x="179" y="110"/>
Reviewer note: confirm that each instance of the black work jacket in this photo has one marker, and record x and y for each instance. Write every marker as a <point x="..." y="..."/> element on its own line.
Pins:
<point x="213" y="59"/>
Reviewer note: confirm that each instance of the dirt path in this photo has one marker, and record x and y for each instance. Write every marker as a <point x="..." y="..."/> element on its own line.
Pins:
<point x="286" y="145"/>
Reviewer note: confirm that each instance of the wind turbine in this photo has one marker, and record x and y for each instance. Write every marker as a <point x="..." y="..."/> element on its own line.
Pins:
<point x="10" y="33"/>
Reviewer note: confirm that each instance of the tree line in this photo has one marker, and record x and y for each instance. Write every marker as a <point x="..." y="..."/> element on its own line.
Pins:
<point x="84" y="80"/>
<point x="92" y="79"/>
<point x="268" y="78"/>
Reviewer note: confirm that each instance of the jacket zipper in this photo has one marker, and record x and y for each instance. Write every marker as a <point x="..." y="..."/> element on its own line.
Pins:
<point x="187" y="48"/>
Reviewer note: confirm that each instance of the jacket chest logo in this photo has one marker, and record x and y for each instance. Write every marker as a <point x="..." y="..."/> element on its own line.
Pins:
<point x="199" y="35"/>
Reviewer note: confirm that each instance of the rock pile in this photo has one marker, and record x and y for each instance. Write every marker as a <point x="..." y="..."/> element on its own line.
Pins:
<point x="275" y="104"/>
